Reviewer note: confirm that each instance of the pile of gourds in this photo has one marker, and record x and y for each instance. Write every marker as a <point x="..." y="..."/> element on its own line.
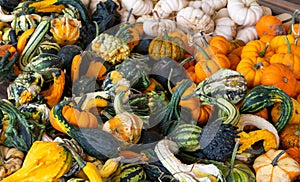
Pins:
<point x="144" y="90"/>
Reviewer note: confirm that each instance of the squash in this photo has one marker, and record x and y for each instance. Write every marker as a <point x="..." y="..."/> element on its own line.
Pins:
<point x="195" y="20"/>
<point x="38" y="160"/>
<point x="275" y="165"/>
<point x="246" y="34"/>
<point x="25" y="22"/>
<point x="226" y="27"/>
<point x="289" y="137"/>
<point x="172" y="47"/>
<point x="219" y="44"/>
<point x="23" y="38"/>
<point x="216" y="4"/>
<point x="204" y="6"/>
<point x="65" y="30"/>
<point x="257" y="48"/>
<point x="263" y="96"/>
<point x="245" y="13"/>
<point x="281" y="76"/>
<point x="154" y="26"/>
<point x="269" y="25"/>
<point x="280" y="40"/>
<point x="7" y="67"/>
<point x="11" y="160"/>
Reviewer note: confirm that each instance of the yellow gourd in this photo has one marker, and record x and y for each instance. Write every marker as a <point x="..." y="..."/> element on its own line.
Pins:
<point x="44" y="162"/>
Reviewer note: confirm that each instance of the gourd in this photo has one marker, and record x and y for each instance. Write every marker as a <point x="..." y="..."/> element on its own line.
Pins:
<point x="25" y="22"/>
<point x="167" y="46"/>
<point x="129" y="172"/>
<point x="263" y="96"/>
<point x="216" y="4"/>
<point x="95" y="142"/>
<point x="226" y="27"/>
<point x="7" y="69"/>
<point x="154" y="26"/>
<point x="38" y="160"/>
<point x="188" y="17"/>
<point x="279" y="75"/>
<point x="293" y="152"/>
<point x="269" y="25"/>
<point x="275" y="165"/>
<point x="11" y="161"/>
<point x="277" y="110"/>
<point x="245" y="13"/>
<point x="65" y="30"/>
<point x="5" y="17"/>
<point x="246" y="34"/>
<point x="165" y="150"/>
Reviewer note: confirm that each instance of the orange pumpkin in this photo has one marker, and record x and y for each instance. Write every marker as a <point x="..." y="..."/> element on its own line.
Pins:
<point x="266" y="38"/>
<point x="278" y="41"/>
<point x="281" y="76"/>
<point x="290" y="136"/>
<point x="204" y="114"/>
<point x="219" y="44"/>
<point x="257" y="48"/>
<point x="294" y="153"/>
<point x="252" y="69"/>
<point x="269" y="25"/>
<point x="235" y="57"/>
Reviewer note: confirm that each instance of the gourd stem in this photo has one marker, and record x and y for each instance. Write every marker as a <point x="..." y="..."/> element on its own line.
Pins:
<point x="97" y="28"/>
<point x="80" y="102"/>
<point x="295" y="14"/>
<point x="156" y="14"/>
<point x="249" y="3"/>
<point x="186" y="60"/>
<point x="274" y="161"/>
<point x="129" y="14"/>
<point x="236" y="146"/>
<point x="203" y="39"/>
<point x="288" y="45"/>
<point x="76" y="156"/>
<point x="166" y="36"/>
<point x="169" y="82"/>
<point x="263" y="53"/>
<point x="297" y="132"/>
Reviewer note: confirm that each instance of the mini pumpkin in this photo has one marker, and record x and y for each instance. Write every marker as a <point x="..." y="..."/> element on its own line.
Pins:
<point x="281" y="76"/>
<point x="275" y="165"/>
<point x="269" y="25"/>
<point x="65" y="30"/>
<point x="290" y="136"/>
<point x="246" y="34"/>
<point x="165" y="7"/>
<point x="154" y="26"/>
<point x="294" y="152"/>
<point x="140" y="7"/>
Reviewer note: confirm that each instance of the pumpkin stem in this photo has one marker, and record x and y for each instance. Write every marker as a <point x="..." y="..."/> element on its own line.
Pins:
<point x="80" y="102"/>
<point x="97" y="28"/>
<point x="203" y="39"/>
<point x="295" y="14"/>
<point x="274" y="161"/>
<point x="189" y="59"/>
<point x="288" y="44"/>
<point x="156" y="15"/>
<point x="129" y="14"/>
<point x="263" y="53"/>
<point x="207" y="57"/>
<point x="166" y="36"/>
<point x="249" y="3"/>
<point x="258" y="65"/>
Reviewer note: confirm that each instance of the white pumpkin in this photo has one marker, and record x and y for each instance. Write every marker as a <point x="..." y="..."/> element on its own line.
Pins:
<point x="195" y="20"/>
<point x="226" y="27"/>
<point x="204" y="6"/>
<point x="216" y="4"/>
<point x="221" y="13"/>
<point x="140" y="7"/>
<point x="154" y="27"/>
<point x="165" y="7"/>
<point x="124" y="15"/>
<point x="246" y="34"/>
<point x="244" y="12"/>
<point x="266" y="10"/>
<point x="144" y="18"/>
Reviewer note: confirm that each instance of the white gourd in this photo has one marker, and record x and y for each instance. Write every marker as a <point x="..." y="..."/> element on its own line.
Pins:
<point x="195" y="20"/>
<point x="140" y="7"/>
<point x="165" y="7"/>
<point x="246" y="34"/>
<point x="204" y="6"/>
<point x="124" y="14"/>
<point x="244" y="12"/>
<point x="154" y="27"/>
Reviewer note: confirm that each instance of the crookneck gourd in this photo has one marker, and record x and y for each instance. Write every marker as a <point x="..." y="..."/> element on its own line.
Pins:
<point x="38" y="160"/>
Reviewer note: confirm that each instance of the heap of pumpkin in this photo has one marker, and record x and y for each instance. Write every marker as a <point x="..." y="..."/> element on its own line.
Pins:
<point x="87" y="98"/>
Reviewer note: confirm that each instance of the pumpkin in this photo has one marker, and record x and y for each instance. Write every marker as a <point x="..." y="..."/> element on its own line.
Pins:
<point x="140" y="7"/>
<point x="294" y="152"/>
<point x="235" y="57"/>
<point x="154" y="26"/>
<point x="204" y="114"/>
<point x="252" y="68"/>
<point x="226" y="27"/>
<point x="172" y="47"/>
<point x="219" y="44"/>
<point x="277" y="110"/>
<point x="269" y="25"/>
<point x="280" y="40"/>
<point x="257" y="48"/>
<point x="244" y="12"/>
<point x="281" y="76"/>
<point x="275" y="165"/>
<point x="208" y="62"/>
<point x="204" y="6"/>
<point x="11" y="160"/>
<point x="216" y="4"/>
<point x="73" y="113"/>
<point x="290" y="136"/>
<point x="289" y="58"/>
<point x="246" y="34"/>
<point x="38" y="160"/>
<point x="195" y="19"/>
<point x="165" y="7"/>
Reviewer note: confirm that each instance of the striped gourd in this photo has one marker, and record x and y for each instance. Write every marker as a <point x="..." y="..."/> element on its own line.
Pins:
<point x="264" y="96"/>
<point x="132" y="172"/>
<point x="32" y="44"/>
<point x="186" y="136"/>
